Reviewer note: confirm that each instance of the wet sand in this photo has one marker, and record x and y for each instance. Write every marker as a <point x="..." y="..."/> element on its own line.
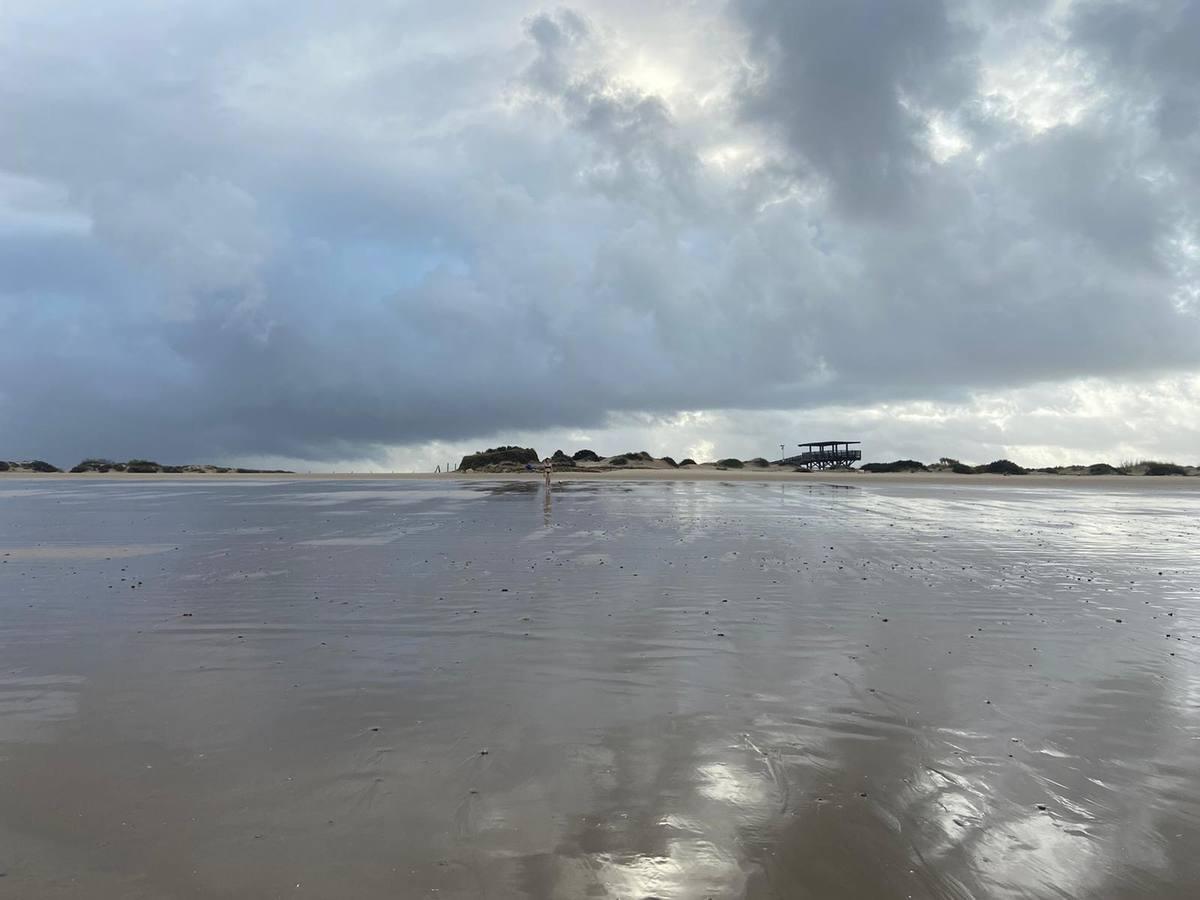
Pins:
<point x="236" y="687"/>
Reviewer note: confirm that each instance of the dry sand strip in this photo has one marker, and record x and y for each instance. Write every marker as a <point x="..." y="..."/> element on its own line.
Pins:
<point x="690" y="473"/>
<point x="856" y="478"/>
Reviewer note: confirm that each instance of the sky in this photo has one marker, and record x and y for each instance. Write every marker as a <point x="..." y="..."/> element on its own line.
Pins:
<point x="377" y="235"/>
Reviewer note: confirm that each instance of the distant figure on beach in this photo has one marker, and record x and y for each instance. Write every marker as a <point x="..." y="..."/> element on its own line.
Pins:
<point x="547" y="468"/>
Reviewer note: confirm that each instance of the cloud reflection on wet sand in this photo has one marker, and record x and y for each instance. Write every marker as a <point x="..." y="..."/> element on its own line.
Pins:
<point x="618" y="690"/>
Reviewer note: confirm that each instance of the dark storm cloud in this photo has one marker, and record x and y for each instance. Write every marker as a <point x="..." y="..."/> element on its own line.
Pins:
<point x="1082" y="182"/>
<point x="1153" y="44"/>
<point x="838" y="79"/>
<point x="251" y="229"/>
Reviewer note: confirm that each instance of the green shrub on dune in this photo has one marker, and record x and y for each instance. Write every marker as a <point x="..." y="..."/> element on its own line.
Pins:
<point x="498" y="455"/>
<point x="142" y="466"/>
<point x="958" y="468"/>
<point x="98" y="464"/>
<point x="1164" y="468"/>
<point x="900" y="465"/>
<point x="1001" y="467"/>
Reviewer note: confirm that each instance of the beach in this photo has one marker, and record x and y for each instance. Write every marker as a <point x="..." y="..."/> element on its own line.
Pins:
<point x="653" y="683"/>
<point x="703" y="473"/>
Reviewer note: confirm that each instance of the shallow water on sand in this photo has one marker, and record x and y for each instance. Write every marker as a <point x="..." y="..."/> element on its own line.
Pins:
<point x="424" y="689"/>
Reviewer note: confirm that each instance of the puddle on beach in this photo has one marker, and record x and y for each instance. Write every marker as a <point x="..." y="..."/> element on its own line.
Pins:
<point x="651" y="689"/>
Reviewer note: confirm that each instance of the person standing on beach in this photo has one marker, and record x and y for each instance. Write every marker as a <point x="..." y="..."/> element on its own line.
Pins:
<point x="547" y="467"/>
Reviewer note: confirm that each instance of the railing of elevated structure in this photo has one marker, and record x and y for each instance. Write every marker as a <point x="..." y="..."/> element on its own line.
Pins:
<point x="830" y="456"/>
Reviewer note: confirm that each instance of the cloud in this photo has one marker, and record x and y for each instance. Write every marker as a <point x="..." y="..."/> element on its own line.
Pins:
<point x="1151" y="47"/>
<point x="1062" y="423"/>
<point x="849" y="84"/>
<point x="247" y="231"/>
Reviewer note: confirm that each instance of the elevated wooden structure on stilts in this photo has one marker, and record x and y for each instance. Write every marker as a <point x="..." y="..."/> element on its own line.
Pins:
<point x="826" y="455"/>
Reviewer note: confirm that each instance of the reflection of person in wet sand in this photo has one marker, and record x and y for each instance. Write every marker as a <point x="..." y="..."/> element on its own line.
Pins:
<point x="547" y="468"/>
